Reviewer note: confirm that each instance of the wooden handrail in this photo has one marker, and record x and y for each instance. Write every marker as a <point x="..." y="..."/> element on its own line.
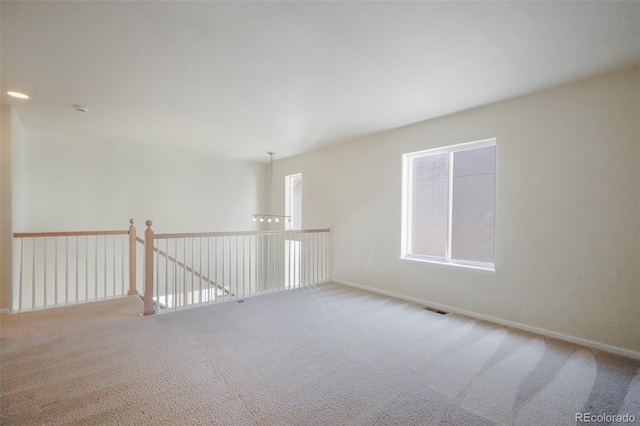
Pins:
<point x="182" y="265"/>
<point x="66" y="234"/>
<point x="226" y="234"/>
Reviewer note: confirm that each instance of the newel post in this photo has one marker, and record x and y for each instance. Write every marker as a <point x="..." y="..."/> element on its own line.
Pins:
<point x="132" y="259"/>
<point x="148" y="270"/>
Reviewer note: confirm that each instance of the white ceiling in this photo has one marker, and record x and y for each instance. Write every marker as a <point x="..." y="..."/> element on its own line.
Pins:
<point x="241" y="78"/>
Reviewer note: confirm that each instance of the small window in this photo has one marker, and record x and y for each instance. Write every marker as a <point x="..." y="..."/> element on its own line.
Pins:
<point x="449" y="204"/>
<point x="293" y="200"/>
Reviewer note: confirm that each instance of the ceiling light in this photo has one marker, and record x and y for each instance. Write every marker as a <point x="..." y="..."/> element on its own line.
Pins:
<point x="271" y="217"/>
<point x="18" y="95"/>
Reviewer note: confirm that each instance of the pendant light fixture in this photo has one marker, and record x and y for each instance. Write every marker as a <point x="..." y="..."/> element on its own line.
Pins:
<point x="270" y="217"/>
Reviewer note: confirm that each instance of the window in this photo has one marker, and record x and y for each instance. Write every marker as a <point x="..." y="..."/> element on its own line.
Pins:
<point x="293" y="200"/>
<point x="292" y="245"/>
<point x="449" y="204"/>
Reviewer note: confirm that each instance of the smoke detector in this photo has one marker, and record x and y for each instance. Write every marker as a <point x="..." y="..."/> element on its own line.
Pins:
<point x="81" y="108"/>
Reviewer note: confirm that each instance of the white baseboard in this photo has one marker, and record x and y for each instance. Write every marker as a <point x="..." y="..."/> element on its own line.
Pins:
<point x="560" y="336"/>
<point x="4" y="311"/>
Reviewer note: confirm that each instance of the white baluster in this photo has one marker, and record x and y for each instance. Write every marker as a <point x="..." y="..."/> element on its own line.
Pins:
<point x="21" y="274"/>
<point x="44" y="272"/>
<point x="55" y="270"/>
<point x="133" y="247"/>
<point x="95" y="267"/>
<point x="104" y="282"/>
<point x="200" y="268"/>
<point x="209" y="272"/>
<point x="77" y="291"/>
<point x="86" y="268"/>
<point x="237" y="269"/>
<point x="122" y="265"/>
<point x="176" y="278"/>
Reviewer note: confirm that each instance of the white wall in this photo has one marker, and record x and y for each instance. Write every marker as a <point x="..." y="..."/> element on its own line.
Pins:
<point x="5" y="207"/>
<point x="18" y="147"/>
<point x="567" y="220"/>
<point x="11" y="159"/>
<point x="76" y="184"/>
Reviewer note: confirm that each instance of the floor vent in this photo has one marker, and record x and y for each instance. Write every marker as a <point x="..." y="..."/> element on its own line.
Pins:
<point x="437" y="311"/>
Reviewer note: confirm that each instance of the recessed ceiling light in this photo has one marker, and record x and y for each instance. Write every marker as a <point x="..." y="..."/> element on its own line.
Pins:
<point x="18" y="95"/>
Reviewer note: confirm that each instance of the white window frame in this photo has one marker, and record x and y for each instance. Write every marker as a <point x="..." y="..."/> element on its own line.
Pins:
<point x="407" y="191"/>
<point x="288" y="200"/>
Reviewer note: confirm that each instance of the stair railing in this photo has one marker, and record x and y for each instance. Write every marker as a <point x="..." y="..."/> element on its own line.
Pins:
<point x="64" y="268"/>
<point x="190" y="269"/>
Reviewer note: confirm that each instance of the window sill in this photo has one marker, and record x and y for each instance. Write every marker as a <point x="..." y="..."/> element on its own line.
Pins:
<point x="451" y="264"/>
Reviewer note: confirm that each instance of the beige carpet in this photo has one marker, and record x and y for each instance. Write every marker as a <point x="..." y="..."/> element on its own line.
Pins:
<point x="325" y="355"/>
